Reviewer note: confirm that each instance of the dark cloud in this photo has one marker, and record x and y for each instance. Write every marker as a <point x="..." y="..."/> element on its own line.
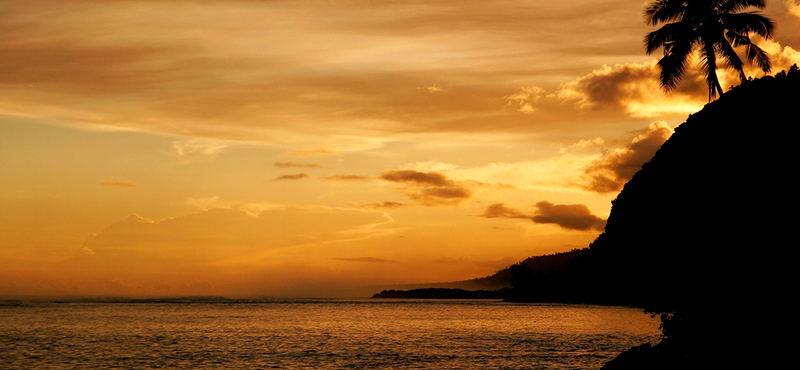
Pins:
<point x="418" y="177"/>
<point x="297" y="164"/>
<point x="350" y="178"/>
<point x="296" y="176"/>
<point x="567" y="216"/>
<point x="615" y="168"/>
<point x="500" y="210"/>
<point x="429" y="188"/>
<point x="387" y="204"/>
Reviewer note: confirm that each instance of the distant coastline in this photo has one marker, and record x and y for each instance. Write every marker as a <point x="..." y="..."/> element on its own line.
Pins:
<point x="445" y="293"/>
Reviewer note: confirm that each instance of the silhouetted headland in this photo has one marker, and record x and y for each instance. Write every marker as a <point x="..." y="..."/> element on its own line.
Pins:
<point x="495" y="286"/>
<point x="701" y="234"/>
<point x="444" y="293"/>
<point x="701" y="237"/>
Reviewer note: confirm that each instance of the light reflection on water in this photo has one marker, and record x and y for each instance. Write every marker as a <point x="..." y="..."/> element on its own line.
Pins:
<point x="318" y="334"/>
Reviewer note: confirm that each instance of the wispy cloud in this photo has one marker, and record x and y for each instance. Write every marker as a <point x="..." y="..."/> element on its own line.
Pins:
<point x="119" y="183"/>
<point x="219" y="234"/>
<point x="346" y="178"/>
<point x="295" y="176"/>
<point x="431" y="89"/>
<point x="387" y="205"/>
<point x="198" y="148"/>
<point x="526" y="99"/>
<point x="319" y="152"/>
<point x="793" y="8"/>
<point x="501" y="210"/>
<point x="297" y="164"/>
<point x="363" y="259"/>
<point x="566" y="216"/>
<point x="429" y="188"/>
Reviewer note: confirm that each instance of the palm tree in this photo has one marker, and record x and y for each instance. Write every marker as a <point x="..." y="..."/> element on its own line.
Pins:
<point x="715" y="27"/>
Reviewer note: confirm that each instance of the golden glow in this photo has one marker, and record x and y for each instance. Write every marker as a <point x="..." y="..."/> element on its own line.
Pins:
<point x="312" y="148"/>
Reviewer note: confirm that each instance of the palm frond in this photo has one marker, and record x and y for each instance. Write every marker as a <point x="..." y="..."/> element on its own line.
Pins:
<point x="737" y="39"/>
<point x="717" y="26"/>
<point x="673" y="64"/>
<point x="708" y="58"/>
<point x="751" y="22"/>
<point x="668" y="33"/>
<point x="662" y="11"/>
<point x="755" y="53"/>
<point x="730" y="58"/>
<point x="733" y="6"/>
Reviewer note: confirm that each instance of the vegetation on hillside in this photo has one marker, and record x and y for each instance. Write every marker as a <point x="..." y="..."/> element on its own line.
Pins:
<point x="714" y="28"/>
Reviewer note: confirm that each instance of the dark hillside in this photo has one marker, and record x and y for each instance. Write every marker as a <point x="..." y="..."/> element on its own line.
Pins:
<point x="544" y="264"/>
<point x="702" y="233"/>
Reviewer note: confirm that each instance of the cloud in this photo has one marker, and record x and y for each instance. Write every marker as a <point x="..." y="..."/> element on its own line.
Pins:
<point x="585" y="143"/>
<point x="221" y="234"/>
<point x="363" y="259"/>
<point x="501" y="210"/>
<point x="198" y="148"/>
<point x="296" y="176"/>
<point x="387" y="204"/>
<point x="610" y="172"/>
<point x="582" y="144"/>
<point x="526" y="98"/>
<point x="634" y="87"/>
<point x="297" y="164"/>
<point x="793" y="8"/>
<point x="429" y="188"/>
<point x="566" y="216"/>
<point x="346" y="178"/>
<point x="782" y="57"/>
<point x="319" y="152"/>
<point x="204" y="203"/>
<point x="431" y="89"/>
<point x="119" y="183"/>
<point x="317" y="73"/>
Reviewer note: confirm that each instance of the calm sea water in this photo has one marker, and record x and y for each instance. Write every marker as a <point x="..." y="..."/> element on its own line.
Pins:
<point x="317" y="334"/>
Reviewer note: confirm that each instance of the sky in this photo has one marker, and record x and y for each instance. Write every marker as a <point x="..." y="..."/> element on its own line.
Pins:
<point x="319" y="148"/>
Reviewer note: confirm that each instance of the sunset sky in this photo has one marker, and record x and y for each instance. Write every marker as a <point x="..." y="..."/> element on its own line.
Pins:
<point x="320" y="148"/>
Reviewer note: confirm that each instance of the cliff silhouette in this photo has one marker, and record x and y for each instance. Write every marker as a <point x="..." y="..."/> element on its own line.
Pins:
<point x="494" y="286"/>
<point x="702" y="235"/>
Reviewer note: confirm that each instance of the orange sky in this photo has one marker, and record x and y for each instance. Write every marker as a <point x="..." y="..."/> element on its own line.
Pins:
<point x="309" y="148"/>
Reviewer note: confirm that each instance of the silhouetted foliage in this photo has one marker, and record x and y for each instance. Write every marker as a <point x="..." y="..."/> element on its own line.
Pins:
<point x="714" y="27"/>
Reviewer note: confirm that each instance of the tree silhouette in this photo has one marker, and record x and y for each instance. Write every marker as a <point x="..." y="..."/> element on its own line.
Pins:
<point x="715" y="28"/>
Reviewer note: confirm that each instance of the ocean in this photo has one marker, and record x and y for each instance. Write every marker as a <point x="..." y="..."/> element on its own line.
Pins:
<point x="315" y="334"/>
